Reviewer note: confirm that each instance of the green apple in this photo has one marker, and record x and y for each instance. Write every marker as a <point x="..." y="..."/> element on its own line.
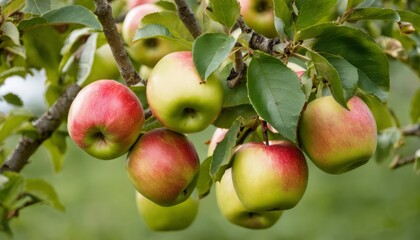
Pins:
<point x="259" y="15"/>
<point x="179" y="98"/>
<point x="163" y="165"/>
<point x="145" y="51"/>
<point x="105" y="119"/>
<point x="234" y="211"/>
<point x="269" y="177"/>
<point x="104" y="65"/>
<point x="337" y="139"/>
<point x="172" y="218"/>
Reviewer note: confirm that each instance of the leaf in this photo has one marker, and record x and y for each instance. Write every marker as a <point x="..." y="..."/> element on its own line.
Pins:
<point x="374" y="14"/>
<point x="223" y="152"/>
<point x="325" y="70"/>
<point x="73" y="14"/>
<point x="358" y="49"/>
<point x="12" y="122"/>
<point x="12" y="7"/>
<point x="13" y="99"/>
<point x="415" y="107"/>
<point x="210" y="50"/>
<point x="20" y="71"/>
<point x="170" y="21"/>
<point x="388" y="140"/>
<point x="411" y="17"/>
<point x="225" y="12"/>
<point x="275" y="93"/>
<point x="10" y="30"/>
<point x="156" y="30"/>
<point x="11" y="189"/>
<point x="44" y="192"/>
<point x="205" y="181"/>
<point x="283" y="12"/>
<point x="84" y="65"/>
<point x="37" y="7"/>
<point x="56" y="147"/>
<point x="364" y="3"/>
<point x="312" y="12"/>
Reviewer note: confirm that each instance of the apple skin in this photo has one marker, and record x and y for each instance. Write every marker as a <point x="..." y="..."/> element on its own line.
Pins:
<point x="104" y="65"/>
<point x="173" y="218"/>
<point x="259" y="15"/>
<point x="269" y="177"/>
<point x="163" y="165"/>
<point x="133" y="3"/>
<point x="338" y="140"/>
<point x="234" y="211"/>
<point x="179" y="98"/>
<point x="145" y="51"/>
<point x="105" y="119"/>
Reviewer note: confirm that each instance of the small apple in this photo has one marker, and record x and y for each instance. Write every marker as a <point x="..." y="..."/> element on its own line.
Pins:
<point x="145" y="51"/>
<point x="234" y="211"/>
<point x="173" y="218"/>
<point x="104" y="65"/>
<point x="163" y="165"/>
<point x="269" y="177"/>
<point x="105" y="119"/>
<point x="336" y="139"/>
<point x="259" y="15"/>
<point x="179" y="98"/>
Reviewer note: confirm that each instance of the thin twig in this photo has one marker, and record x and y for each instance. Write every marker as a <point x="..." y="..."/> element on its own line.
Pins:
<point x="187" y="17"/>
<point x="398" y="161"/>
<point x="238" y="72"/>
<point x="411" y="130"/>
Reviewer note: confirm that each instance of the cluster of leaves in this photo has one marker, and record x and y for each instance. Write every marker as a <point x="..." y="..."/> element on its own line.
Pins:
<point x="340" y="45"/>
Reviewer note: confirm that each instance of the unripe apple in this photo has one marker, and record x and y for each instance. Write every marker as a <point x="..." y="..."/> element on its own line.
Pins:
<point x="179" y="98"/>
<point x="269" y="177"/>
<point x="105" y="119"/>
<point x="163" y="165"/>
<point x="145" y="51"/>
<point x="104" y="65"/>
<point x="336" y="139"/>
<point x="234" y="211"/>
<point x="172" y="218"/>
<point x="259" y="15"/>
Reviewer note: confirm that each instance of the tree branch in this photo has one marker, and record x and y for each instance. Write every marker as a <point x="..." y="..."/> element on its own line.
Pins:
<point x="398" y="161"/>
<point x="187" y="17"/>
<point x="411" y="130"/>
<point x="238" y="72"/>
<point x="45" y="125"/>
<point x="128" y="72"/>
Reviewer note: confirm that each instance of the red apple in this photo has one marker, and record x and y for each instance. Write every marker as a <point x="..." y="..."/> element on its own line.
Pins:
<point x="105" y="119"/>
<point x="259" y="15"/>
<point x="337" y="139"/>
<point x="163" y="165"/>
<point x="269" y="177"/>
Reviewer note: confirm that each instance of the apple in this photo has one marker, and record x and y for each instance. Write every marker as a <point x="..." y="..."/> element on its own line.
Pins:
<point x="104" y="65"/>
<point x="163" y="165"/>
<point x="179" y="98"/>
<point x="105" y="119"/>
<point x="269" y="177"/>
<point x="259" y="15"/>
<point x="133" y="3"/>
<point x="173" y="218"/>
<point x="145" y="51"/>
<point x="336" y="139"/>
<point x="234" y="211"/>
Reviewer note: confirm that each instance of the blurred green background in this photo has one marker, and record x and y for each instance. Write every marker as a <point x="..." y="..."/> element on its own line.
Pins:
<point x="371" y="202"/>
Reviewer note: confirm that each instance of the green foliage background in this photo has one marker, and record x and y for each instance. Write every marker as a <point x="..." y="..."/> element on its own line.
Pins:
<point x="371" y="202"/>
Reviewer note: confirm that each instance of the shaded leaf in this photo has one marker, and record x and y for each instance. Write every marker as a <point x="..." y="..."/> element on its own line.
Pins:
<point x="13" y="99"/>
<point x="374" y="14"/>
<point x="11" y="7"/>
<point x="275" y="93"/>
<point x="12" y="122"/>
<point x="284" y="14"/>
<point x="73" y="14"/>
<point x="11" y="189"/>
<point x="312" y="12"/>
<point x="225" y="12"/>
<point x="44" y="192"/>
<point x="171" y="21"/>
<point x="415" y="107"/>
<point x="84" y="65"/>
<point x="10" y="30"/>
<point x="417" y="162"/>
<point x="205" y="181"/>
<point x="56" y="147"/>
<point x="37" y="7"/>
<point x="388" y="140"/>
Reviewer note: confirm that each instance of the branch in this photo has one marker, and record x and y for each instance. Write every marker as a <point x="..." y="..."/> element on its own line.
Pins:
<point x="187" y="17"/>
<point x="411" y="130"/>
<point x="128" y="72"/>
<point x="45" y="125"/>
<point x="398" y="162"/>
<point x="238" y="72"/>
<point x="258" y="41"/>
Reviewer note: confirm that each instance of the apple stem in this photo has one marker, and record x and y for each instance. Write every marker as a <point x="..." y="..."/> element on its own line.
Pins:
<point x="265" y="133"/>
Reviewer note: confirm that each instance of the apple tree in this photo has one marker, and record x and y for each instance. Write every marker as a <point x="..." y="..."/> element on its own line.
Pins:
<point x="279" y="78"/>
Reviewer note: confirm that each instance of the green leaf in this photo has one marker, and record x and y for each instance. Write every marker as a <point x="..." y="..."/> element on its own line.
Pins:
<point x="170" y="21"/>
<point x="156" y="30"/>
<point x="12" y="122"/>
<point x="205" y="181"/>
<point x="388" y="140"/>
<point x="13" y="99"/>
<point x="327" y="71"/>
<point x="364" y="3"/>
<point x="415" y="107"/>
<point x="223" y="152"/>
<point x="10" y="30"/>
<point x="275" y="93"/>
<point x="210" y="50"/>
<point x="225" y="12"/>
<point x="44" y="192"/>
<point x="12" y="7"/>
<point x="228" y="115"/>
<point x="11" y="189"/>
<point x="284" y="14"/>
<point x="73" y="14"/>
<point x="312" y="12"/>
<point x="374" y="14"/>
<point x="84" y="65"/>
<point x="358" y="49"/>
<point x="56" y="147"/>
<point x="411" y="17"/>
<point x="37" y="7"/>
<point x="20" y="71"/>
